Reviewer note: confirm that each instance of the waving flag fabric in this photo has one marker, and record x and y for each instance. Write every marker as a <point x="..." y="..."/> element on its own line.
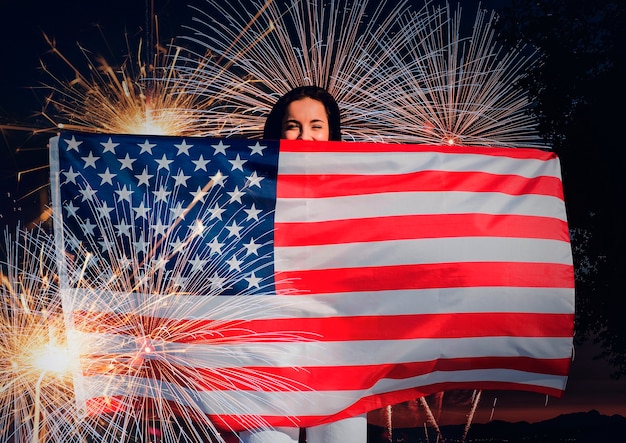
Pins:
<point x="296" y="283"/>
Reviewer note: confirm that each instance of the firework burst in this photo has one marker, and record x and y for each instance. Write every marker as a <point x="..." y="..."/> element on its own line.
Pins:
<point x="122" y="369"/>
<point x="399" y="75"/>
<point x="148" y="350"/>
<point x="460" y="89"/>
<point x="36" y="395"/>
<point x="252" y="53"/>
<point x="133" y="98"/>
<point x="163" y="350"/>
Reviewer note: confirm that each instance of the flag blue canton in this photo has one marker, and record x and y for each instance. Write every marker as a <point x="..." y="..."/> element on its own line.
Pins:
<point x="151" y="199"/>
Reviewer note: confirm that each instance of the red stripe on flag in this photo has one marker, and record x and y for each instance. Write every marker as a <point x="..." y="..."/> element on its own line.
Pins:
<point x="426" y="276"/>
<point x="404" y="227"/>
<point x="320" y="378"/>
<point x="421" y="326"/>
<point x="314" y="146"/>
<point x="331" y="185"/>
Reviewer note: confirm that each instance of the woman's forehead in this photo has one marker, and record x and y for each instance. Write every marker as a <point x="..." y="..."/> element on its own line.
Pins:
<point x="307" y="108"/>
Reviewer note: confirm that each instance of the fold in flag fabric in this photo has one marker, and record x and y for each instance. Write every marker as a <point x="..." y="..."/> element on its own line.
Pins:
<point x="295" y="283"/>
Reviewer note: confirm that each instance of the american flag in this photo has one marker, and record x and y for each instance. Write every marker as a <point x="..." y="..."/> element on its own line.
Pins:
<point x="303" y="287"/>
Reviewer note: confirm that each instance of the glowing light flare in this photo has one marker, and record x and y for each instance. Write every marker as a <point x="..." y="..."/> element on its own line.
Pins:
<point x="52" y="358"/>
<point x="35" y="349"/>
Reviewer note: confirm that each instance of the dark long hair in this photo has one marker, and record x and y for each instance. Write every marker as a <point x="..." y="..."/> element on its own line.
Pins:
<point x="274" y="123"/>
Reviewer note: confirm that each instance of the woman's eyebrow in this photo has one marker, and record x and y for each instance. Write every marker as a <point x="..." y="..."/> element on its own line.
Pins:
<point x="293" y="120"/>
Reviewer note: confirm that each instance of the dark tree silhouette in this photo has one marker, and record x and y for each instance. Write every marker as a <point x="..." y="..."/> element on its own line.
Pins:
<point x="580" y="90"/>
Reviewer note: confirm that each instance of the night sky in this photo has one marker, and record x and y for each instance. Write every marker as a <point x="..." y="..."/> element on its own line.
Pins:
<point x="102" y="26"/>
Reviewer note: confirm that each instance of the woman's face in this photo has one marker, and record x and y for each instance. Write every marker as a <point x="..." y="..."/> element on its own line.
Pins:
<point x="306" y="119"/>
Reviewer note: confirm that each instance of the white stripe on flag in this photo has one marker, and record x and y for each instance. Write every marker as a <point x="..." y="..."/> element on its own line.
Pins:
<point x="411" y="203"/>
<point x="406" y="302"/>
<point x="441" y="250"/>
<point x="393" y="163"/>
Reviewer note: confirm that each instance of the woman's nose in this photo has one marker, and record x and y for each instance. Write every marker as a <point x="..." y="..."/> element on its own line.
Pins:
<point x="305" y="134"/>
